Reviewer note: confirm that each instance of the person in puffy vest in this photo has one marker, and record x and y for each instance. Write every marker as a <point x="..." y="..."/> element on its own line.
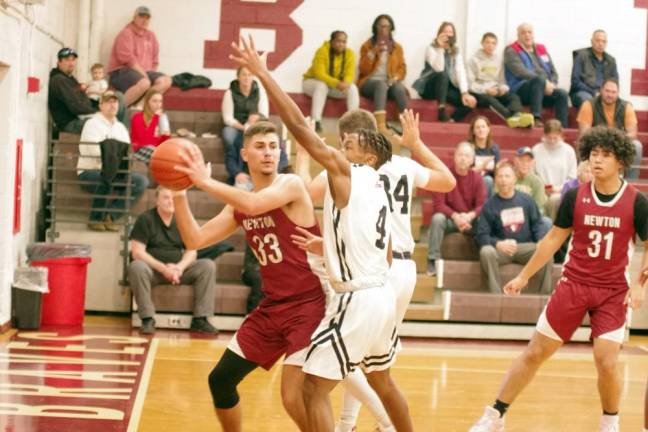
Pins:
<point x="530" y="73"/>
<point x="243" y="104"/>
<point x="592" y="66"/>
<point x="608" y="109"/>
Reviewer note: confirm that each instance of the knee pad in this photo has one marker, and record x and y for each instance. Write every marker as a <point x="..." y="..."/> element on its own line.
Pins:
<point x="223" y="388"/>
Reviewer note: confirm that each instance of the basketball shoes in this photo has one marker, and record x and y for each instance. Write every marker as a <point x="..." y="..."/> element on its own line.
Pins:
<point x="489" y="422"/>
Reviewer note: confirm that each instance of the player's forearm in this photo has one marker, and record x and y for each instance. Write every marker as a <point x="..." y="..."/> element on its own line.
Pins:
<point x="545" y="251"/>
<point x="187" y="225"/>
<point x="242" y="200"/>
<point x="444" y="181"/>
<point x="295" y="121"/>
<point x="302" y="166"/>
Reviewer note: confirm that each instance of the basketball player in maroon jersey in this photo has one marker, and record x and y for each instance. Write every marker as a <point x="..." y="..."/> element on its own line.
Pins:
<point x="603" y="217"/>
<point x="294" y="300"/>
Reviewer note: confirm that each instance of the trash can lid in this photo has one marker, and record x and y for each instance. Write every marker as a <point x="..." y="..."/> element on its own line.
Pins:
<point x="44" y="251"/>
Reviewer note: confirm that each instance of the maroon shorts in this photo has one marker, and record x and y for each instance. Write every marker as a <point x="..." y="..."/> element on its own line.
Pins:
<point x="571" y="301"/>
<point x="275" y="329"/>
<point x="124" y="78"/>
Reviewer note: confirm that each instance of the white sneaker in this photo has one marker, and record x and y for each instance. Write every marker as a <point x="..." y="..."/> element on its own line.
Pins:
<point x="489" y="422"/>
<point x="609" y="423"/>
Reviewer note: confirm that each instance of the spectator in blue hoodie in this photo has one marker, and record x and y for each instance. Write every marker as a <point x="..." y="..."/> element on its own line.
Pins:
<point x="509" y="229"/>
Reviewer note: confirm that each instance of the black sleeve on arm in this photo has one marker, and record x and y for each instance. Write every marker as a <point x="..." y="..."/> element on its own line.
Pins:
<point x="565" y="216"/>
<point x="641" y="216"/>
<point x="141" y="230"/>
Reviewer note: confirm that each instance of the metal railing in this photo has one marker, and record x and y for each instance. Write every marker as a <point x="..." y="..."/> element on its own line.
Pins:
<point x="67" y="202"/>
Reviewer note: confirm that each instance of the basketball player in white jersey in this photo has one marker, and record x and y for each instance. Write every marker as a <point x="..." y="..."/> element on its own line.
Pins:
<point x="399" y="177"/>
<point x="359" y="325"/>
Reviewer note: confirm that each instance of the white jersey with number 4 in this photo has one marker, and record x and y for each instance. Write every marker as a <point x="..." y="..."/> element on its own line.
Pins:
<point x="356" y="237"/>
<point x="399" y="177"/>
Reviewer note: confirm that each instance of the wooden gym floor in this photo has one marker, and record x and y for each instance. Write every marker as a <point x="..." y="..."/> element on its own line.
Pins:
<point x="447" y="384"/>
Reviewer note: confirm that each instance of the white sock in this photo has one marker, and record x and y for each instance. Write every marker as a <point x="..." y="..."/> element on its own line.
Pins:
<point x="359" y="389"/>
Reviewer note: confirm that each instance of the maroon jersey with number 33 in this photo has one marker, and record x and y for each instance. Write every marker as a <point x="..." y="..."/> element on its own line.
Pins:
<point x="603" y="238"/>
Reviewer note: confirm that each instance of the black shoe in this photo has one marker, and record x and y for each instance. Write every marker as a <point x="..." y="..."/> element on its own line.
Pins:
<point x="537" y="123"/>
<point x="431" y="268"/>
<point x="201" y="325"/>
<point x="148" y="326"/>
<point x="460" y="113"/>
<point x="443" y="116"/>
<point x="318" y="126"/>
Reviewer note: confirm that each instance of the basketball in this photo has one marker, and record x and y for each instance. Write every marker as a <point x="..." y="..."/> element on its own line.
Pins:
<point x="163" y="160"/>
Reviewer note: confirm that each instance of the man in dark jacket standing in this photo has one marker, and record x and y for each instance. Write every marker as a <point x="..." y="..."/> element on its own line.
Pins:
<point x="591" y="67"/>
<point x="69" y="105"/>
<point x="531" y="74"/>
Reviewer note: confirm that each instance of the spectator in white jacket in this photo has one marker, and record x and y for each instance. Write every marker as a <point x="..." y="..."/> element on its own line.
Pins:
<point x="444" y="75"/>
<point x="243" y="104"/>
<point x="556" y="164"/>
<point x="486" y="82"/>
<point x="101" y="126"/>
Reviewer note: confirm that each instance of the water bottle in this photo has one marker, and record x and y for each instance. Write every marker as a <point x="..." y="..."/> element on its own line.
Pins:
<point x="163" y="123"/>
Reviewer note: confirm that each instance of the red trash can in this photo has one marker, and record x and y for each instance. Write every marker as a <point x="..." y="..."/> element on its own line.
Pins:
<point x="65" y="302"/>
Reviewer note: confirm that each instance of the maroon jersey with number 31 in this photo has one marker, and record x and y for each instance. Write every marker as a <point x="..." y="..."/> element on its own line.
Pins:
<point x="603" y="238"/>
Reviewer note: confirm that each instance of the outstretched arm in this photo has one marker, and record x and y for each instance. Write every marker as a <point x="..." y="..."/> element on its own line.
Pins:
<point x="330" y="158"/>
<point x="441" y="179"/>
<point x="546" y="249"/>
<point x="282" y="192"/>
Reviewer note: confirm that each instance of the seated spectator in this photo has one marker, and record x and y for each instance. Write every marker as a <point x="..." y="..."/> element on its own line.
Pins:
<point x="487" y="152"/>
<point x="555" y="164"/>
<point x="244" y="102"/>
<point x="529" y="183"/>
<point x="583" y="175"/>
<point x="134" y="59"/>
<point x="486" y="82"/>
<point x="458" y="209"/>
<point x="444" y="75"/>
<point x="160" y="257"/>
<point x="98" y="85"/>
<point x="332" y="73"/>
<point x="382" y="70"/>
<point x="591" y="67"/>
<point x="236" y="165"/>
<point x="508" y="231"/>
<point x="531" y="74"/>
<point x="608" y="109"/>
<point x="150" y="127"/>
<point x="69" y="105"/>
<point x="105" y="126"/>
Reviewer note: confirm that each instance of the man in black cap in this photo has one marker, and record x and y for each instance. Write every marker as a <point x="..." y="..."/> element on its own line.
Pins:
<point x="69" y="105"/>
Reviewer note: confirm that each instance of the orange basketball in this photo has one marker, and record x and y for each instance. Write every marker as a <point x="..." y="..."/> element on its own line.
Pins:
<point x="163" y="160"/>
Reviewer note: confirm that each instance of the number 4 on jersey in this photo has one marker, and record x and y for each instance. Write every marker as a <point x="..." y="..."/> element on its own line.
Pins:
<point x="401" y="193"/>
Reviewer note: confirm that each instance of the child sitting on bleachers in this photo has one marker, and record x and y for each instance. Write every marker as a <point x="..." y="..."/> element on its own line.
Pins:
<point x="98" y="85"/>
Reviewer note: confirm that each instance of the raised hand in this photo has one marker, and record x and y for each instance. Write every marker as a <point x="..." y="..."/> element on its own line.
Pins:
<point x="195" y="166"/>
<point x="411" y="133"/>
<point x="246" y="55"/>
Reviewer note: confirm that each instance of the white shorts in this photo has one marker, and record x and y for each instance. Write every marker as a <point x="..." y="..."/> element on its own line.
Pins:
<point x="358" y="330"/>
<point x="402" y="278"/>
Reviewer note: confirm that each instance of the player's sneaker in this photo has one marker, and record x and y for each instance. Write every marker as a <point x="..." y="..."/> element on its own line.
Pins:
<point x="609" y="423"/>
<point x="489" y="422"/>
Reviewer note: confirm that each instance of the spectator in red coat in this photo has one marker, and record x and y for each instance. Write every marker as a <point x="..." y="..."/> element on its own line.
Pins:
<point x="150" y="127"/>
<point x="458" y="209"/>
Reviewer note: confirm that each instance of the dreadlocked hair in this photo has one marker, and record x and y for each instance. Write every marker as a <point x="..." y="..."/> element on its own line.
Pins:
<point x="376" y="143"/>
<point x="612" y="140"/>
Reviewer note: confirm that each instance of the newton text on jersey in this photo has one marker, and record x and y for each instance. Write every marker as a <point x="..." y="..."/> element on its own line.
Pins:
<point x="258" y="223"/>
<point x="602" y="221"/>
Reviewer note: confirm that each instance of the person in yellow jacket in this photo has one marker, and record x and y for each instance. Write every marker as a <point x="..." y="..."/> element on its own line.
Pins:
<point x="331" y="74"/>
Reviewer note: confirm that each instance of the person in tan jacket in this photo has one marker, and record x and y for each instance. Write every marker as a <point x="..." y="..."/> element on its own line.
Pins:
<point x="382" y="70"/>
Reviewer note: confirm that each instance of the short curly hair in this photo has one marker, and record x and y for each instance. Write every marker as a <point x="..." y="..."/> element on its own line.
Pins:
<point x="609" y="139"/>
<point x="376" y="143"/>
